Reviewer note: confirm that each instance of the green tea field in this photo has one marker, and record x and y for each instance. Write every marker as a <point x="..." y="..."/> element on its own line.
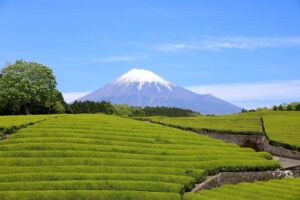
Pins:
<point x="281" y="127"/>
<point x="226" y="123"/>
<point x="284" y="128"/>
<point x="283" y="189"/>
<point x="108" y="157"/>
<point x="11" y="123"/>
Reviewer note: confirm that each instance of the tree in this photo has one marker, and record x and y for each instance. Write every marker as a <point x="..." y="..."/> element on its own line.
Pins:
<point x="123" y="110"/>
<point x="280" y="107"/>
<point x="244" y="110"/>
<point x="289" y="107"/>
<point x="91" y="107"/>
<point x="297" y="107"/>
<point x="275" y="108"/>
<point x="29" y="88"/>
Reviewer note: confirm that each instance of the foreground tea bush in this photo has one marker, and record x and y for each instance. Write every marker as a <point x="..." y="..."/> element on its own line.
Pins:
<point x="284" y="189"/>
<point x="107" y="157"/>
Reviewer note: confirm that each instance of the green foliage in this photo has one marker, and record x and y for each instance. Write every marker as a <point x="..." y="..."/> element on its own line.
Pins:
<point x="125" y="110"/>
<point x="168" y="111"/>
<point x="122" y="110"/>
<point x="293" y="106"/>
<point x="29" y="87"/>
<point x="75" y="156"/>
<point x="92" y="107"/>
<point x="283" y="189"/>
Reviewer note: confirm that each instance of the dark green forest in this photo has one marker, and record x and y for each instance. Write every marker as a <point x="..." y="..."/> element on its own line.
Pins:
<point x="127" y="111"/>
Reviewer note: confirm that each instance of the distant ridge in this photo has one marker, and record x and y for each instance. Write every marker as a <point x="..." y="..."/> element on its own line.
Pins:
<point x="140" y="87"/>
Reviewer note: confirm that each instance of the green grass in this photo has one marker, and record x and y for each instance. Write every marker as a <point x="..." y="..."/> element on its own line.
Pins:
<point x="9" y="124"/>
<point x="283" y="189"/>
<point x="238" y="123"/>
<point x="107" y="157"/>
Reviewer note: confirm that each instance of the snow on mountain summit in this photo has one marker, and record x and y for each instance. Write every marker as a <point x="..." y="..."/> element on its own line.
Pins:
<point x="141" y="77"/>
<point x="142" y="88"/>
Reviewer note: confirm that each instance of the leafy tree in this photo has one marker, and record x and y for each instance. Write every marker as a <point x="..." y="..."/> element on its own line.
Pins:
<point x="244" y="110"/>
<point x="289" y="107"/>
<point x="29" y="88"/>
<point x="137" y="112"/>
<point x="122" y="110"/>
<point x="275" y="108"/>
<point x="168" y="111"/>
<point x="297" y="107"/>
<point x="280" y="107"/>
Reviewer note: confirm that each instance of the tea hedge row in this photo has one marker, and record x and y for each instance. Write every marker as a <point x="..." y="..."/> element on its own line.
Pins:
<point x="224" y="124"/>
<point x="9" y="124"/>
<point x="284" y="189"/>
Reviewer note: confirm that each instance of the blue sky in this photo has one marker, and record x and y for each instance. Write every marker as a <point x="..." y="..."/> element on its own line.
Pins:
<point x="246" y="52"/>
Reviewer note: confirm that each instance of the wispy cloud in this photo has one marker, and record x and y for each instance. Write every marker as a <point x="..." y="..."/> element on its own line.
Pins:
<point x="218" y="43"/>
<point x="118" y="58"/>
<point x="72" y="96"/>
<point x="251" y="95"/>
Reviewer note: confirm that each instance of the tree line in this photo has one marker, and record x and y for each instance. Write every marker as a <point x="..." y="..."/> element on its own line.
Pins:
<point x="128" y="111"/>
<point x="293" y="106"/>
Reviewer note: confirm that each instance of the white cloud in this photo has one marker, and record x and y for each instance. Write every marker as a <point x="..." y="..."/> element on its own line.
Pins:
<point x="118" y="58"/>
<point x="113" y="59"/>
<point x="173" y="47"/>
<point x="218" y="43"/>
<point x="72" y="96"/>
<point x="251" y="95"/>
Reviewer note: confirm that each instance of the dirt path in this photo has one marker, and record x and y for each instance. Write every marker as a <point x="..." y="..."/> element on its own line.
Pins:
<point x="207" y="181"/>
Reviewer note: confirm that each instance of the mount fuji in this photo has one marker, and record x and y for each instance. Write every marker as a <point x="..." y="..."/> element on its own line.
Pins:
<point x="140" y="87"/>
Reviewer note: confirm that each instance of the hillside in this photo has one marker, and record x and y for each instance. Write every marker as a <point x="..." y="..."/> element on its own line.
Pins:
<point x="281" y="127"/>
<point x="108" y="157"/>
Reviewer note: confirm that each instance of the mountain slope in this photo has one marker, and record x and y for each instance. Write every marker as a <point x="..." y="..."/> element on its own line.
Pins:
<point x="144" y="88"/>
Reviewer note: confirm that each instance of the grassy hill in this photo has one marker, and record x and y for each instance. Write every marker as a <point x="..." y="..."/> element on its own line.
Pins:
<point x="11" y="123"/>
<point x="284" y="189"/>
<point x="281" y="127"/>
<point x="241" y="123"/>
<point x="107" y="157"/>
<point x="284" y="129"/>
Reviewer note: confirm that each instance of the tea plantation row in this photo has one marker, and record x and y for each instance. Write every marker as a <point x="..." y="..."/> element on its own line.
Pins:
<point x="284" y="189"/>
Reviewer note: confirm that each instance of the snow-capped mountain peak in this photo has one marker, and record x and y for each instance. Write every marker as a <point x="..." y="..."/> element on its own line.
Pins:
<point x="141" y="77"/>
<point x="142" y="88"/>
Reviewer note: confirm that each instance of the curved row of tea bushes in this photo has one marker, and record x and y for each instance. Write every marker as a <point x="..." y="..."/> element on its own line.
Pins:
<point x="237" y="123"/>
<point x="9" y="124"/>
<point x="283" y="189"/>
